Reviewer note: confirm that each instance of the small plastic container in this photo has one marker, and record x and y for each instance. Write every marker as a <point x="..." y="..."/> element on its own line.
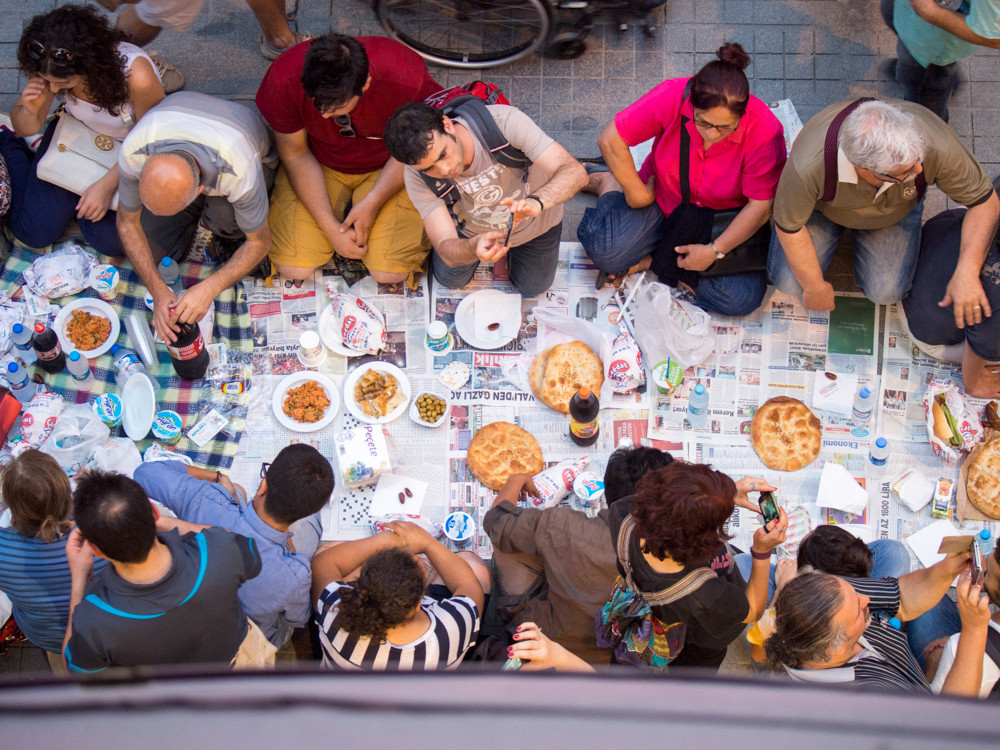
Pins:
<point x="109" y="408"/>
<point x="167" y="426"/>
<point x="460" y="527"/>
<point x="104" y="280"/>
<point x="415" y="409"/>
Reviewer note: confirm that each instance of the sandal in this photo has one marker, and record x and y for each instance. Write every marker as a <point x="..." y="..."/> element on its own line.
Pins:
<point x="608" y="279"/>
<point x="273" y="53"/>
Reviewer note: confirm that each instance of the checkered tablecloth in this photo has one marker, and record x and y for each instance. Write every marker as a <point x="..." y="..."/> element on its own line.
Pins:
<point x="190" y="399"/>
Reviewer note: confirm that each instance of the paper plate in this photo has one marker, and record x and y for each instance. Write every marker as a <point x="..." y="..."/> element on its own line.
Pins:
<point x="94" y="307"/>
<point x="297" y="379"/>
<point x="510" y="323"/>
<point x="138" y="406"/>
<point x="330" y="336"/>
<point x="352" y="406"/>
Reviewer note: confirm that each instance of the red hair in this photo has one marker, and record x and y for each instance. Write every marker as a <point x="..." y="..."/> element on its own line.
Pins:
<point x="680" y="511"/>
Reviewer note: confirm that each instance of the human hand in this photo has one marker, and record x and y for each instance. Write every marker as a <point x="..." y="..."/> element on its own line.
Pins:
<point x="695" y="257"/>
<point x="360" y="218"/>
<point x="193" y="303"/>
<point x="784" y="571"/>
<point x="641" y="197"/>
<point x="973" y="604"/>
<point x="771" y="534"/>
<point x="538" y="652"/>
<point x="818" y="298"/>
<point x="227" y="484"/>
<point x="345" y="243"/>
<point x="954" y="564"/>
<point x="490" y="247"/>
<point x="747" y="485"/>
<point x="96" y="200"/>
<point x="162" y="304"/>
<point x="79" y="555"/>
<point x="522" y="209"/>
<point x="965" y="292"/>
<point x="412" y="536"/>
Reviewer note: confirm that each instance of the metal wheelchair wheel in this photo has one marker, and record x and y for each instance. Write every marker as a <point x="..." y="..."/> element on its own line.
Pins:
<point x="467" y="33"/>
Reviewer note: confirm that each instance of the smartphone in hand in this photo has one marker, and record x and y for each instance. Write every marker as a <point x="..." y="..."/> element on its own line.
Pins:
<point x="768" y="507"/>
<point x="976" y="563"/>
<point x="510" y="228"/>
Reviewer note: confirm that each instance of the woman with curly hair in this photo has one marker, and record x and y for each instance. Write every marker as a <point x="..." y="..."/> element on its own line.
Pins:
<point x="71" y="53"/>
<point x="673" y="525"/>
<point x="389" y="618"/>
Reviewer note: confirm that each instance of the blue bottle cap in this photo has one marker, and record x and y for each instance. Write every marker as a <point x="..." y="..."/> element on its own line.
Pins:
<point x="17" y="328"/>
<point x="881" y="443"/>
<point x="12" y="368"/>
<point x="74" y="356"/>
<point x="895" y="622"/>
<point x="167" y="262"/>
<point x="864" y="393"/>
<point x="114" y="348"/>
<point x="985" y="534"/>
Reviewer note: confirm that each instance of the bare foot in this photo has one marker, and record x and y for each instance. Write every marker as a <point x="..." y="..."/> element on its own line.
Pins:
<point x="616" y="279"/>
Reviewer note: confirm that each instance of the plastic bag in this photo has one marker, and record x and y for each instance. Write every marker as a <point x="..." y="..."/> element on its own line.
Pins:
<point x="965" y="416"/>
<point x="37" y="422"/>
<point x="670" y="328"/>
<point x="61" y="272"/>
<point x="78" y="433"/>
<point x="117" y="454"/>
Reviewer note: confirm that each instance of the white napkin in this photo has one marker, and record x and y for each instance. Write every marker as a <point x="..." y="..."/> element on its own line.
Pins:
<point x="836" y="396"/>
<point x="386" y="497"/>
<point x="914" y="489"/>
<point x="839" y="490"/>
<point x="925" y="543"/>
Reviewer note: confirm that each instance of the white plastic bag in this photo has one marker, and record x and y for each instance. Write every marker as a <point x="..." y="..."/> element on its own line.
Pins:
<point x="117" y="454"/>
<point x="61" y="272"/>
<point x="669" y="328"/>
<point x="77" y="434"/>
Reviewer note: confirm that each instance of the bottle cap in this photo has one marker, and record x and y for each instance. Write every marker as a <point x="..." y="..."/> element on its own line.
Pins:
<point x="584" y="392"/>
<point x="74" y="356"/>
<point x="881" y="442"/>
<point x="985" y="534"/>
<point x="17" y="328"/>
<point x="12" y="367"/>
<point x="114" y="348"/>
<point x="864" y="393"/>
<point x="895" y="622"/>
<point x="167" y="262"/>
<point x="699" y="389"/>
<point x="39" y="328"/>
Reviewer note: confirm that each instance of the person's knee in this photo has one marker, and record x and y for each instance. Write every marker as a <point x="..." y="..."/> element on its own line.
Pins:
<point x="736" y="298"/>
<point x="480" y="568"/>
<point x="35" y="234"/>
<point x="889" y="558"/>
<point x="388" y="277"/>
<point x="885" y="292"/>
<point x="532" y="287"/>
<point x="294" y="273"/>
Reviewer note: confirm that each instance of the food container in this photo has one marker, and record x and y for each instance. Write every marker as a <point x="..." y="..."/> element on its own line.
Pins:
<point x="460" y="527"/>
<point x="415" y="409"/>
<point x="667" y="375"/>
<point x="109" y="408"/>
<point x="167" y="426"/>
<point x="589" y="489"/>
<point x="104" y="280"/>
<point x="438" y="339"/>
<point x="311" y="351"/>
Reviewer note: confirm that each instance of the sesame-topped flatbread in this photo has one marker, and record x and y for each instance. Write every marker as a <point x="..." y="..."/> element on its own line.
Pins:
<point x="785" y="434"/>
<point x="500" y="449"/>
<point x="569" y="367"/>
<point x="983" y="485"/>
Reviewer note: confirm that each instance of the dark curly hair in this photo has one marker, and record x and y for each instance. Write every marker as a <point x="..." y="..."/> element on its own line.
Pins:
<point x="680" y="511"/>
<point x="93" y="44"/>
<point x="626" y="466"/>
<point x="804" y="630"/>
<point x="722" y="82"/>
<point x="832" y="550"/>
<point x="391" y="584"/>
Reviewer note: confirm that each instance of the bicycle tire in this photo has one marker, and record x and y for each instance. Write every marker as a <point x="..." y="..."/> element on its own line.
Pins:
<point x="467" y="33"/>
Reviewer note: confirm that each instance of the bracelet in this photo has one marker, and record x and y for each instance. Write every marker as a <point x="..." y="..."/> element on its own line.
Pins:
<point x="535" y="198"/>
<point x="760" y="555"/>
<point x="218" y="476"/>
<point x="719" y="255"/>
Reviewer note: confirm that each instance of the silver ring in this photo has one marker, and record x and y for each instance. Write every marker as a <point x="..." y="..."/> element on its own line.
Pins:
<point x="977" y="307"/>
<point x="753" y="485"/>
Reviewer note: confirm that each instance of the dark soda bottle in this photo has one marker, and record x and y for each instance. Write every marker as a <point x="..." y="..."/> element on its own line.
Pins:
<point x="583" y="410"/>
<point x="46" y="345"/>
<point x="188" y="353"/>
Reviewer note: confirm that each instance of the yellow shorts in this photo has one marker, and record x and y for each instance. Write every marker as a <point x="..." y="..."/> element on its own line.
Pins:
<point x="396" y="242"/>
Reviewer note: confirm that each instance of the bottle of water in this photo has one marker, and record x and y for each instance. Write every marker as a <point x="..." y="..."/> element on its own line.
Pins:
<point x="171" y="275"/>
<point x="878" y="457"/>
<point x="986" y="542"/>
<point x="698" y="406"/>
<point x="79" y="368"/>
<point x="20" y="386"/>
<point x="20" y="335"/>
<point x="127" y="364"/>
<point x="864" y="402"/>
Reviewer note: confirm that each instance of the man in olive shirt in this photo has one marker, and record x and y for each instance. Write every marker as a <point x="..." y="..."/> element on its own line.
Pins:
<point x="886" y="152"/>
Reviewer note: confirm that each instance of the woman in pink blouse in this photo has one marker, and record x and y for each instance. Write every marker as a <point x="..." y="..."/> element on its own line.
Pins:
<point x="736" y="152"/>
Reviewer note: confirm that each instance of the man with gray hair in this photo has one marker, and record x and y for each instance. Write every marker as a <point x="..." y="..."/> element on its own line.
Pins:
<point x="864" y="165"/>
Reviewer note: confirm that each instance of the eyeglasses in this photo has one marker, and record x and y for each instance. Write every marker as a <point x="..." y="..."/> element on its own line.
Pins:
<point x="58" y="55"/>
<point x="896" y="180"/>
<point x="347" y="129"/>
<point x="263" y="469"/>
<point x="727" y="129"/>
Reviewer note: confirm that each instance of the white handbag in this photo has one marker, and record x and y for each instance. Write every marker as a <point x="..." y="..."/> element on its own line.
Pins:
<point x="78" y="157"/>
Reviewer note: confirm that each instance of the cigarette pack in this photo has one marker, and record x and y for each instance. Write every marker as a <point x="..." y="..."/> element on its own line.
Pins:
<point x="362" y="455"/>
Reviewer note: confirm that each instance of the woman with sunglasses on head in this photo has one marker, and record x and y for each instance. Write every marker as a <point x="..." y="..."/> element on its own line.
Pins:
<point x="73" y="55"/>
<point x="653" y="218"/>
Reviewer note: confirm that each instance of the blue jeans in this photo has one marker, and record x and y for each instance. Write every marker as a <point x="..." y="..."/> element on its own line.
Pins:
<point x="940" y="621"/>
<point x="940" y="241"/>
<point x="932" y="86"/>
<point x="884" y="259"/>
<point x="889" y="560"/>
<point x="531" y="266"/>
<point x="616" y="237"/>
<point x="40" y="211"/>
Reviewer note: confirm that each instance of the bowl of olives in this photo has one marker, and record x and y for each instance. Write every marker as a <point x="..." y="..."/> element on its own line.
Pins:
<point x="429" y="409"/>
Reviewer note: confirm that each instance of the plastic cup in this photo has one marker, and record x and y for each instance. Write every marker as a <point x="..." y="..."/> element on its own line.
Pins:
<point x="104" y="280"/>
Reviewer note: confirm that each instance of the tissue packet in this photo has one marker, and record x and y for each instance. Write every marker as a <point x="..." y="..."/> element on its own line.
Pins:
<point x="362" y="455"/>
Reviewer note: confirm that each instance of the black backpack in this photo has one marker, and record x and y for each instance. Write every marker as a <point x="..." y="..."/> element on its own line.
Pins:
<point x="469" y="102"/>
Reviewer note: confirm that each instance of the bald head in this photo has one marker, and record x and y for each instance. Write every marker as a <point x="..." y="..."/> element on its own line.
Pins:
<point x="169" y="182"/>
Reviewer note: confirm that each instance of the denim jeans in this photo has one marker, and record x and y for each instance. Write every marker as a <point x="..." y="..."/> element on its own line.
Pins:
<point x="531" y="266"/>
<point x="884" y="259"/>
<point x="889" y="559"/>
<point x="616" y="237"/>
<point x="40" y="211"/>
<point x="932" y="86"/>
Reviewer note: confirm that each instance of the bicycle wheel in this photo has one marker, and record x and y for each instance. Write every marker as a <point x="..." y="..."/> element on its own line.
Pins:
<point x="467" y="33"/>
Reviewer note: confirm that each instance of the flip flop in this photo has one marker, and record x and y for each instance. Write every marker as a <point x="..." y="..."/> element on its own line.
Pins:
<point x="592" y="168"/>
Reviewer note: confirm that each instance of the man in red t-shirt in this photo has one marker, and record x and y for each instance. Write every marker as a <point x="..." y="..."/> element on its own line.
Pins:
<point x="338" y="190"/>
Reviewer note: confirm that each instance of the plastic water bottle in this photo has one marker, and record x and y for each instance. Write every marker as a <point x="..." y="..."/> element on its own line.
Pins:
<point x="986" y="542"/>
<point x="127" y="364"/>
<point x="171" y="275"/>
<point x="698" y="406"/>
<point x="20" y="386"/>
<point x="864" y="402"/>
<point x="79" y="368"/>
<point x="20" y="336"/>
<point x="878" y="456"/>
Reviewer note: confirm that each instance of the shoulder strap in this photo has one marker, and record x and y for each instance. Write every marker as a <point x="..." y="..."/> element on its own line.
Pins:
<point x="993" y="651"/>
<point x="687" y="585"/>
<point x="473" y="110"/>
<point x="830" y="149"/>
<point x="685" y="175"/>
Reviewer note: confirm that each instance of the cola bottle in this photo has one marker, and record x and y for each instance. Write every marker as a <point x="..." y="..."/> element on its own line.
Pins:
<point x="188" y="354"/>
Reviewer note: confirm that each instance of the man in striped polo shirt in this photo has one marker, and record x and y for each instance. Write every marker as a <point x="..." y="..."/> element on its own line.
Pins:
<point x="847" y="630"/>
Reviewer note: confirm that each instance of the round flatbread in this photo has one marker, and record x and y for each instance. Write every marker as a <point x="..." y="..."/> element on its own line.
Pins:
<point x="568" y="368"/>
<point x="785" y="434"/>
<point x="983" y="484"/>
<point x="500" y="449"/>
<point x="536" y="372"/>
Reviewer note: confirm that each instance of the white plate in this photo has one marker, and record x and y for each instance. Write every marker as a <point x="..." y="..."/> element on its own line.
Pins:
<point x="330" y="336"/>
<point x="352" y="406"/>
<point x="94" y="307"/>
<point x="138" y="406"/>
<point x="297" y="379"/>
<point x="465" y="320"/>
<point x="415" y="410"/>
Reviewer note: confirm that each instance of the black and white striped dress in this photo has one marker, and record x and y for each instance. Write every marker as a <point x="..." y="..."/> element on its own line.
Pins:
<point x="454" y="628"/>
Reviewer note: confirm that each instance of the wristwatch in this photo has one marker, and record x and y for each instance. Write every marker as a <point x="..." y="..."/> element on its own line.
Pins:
<point x="719" y="255"/>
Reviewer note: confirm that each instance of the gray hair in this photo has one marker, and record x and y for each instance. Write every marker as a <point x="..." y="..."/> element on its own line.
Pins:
<point x="804" y="627"/>
<point x="881" y="137"/>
